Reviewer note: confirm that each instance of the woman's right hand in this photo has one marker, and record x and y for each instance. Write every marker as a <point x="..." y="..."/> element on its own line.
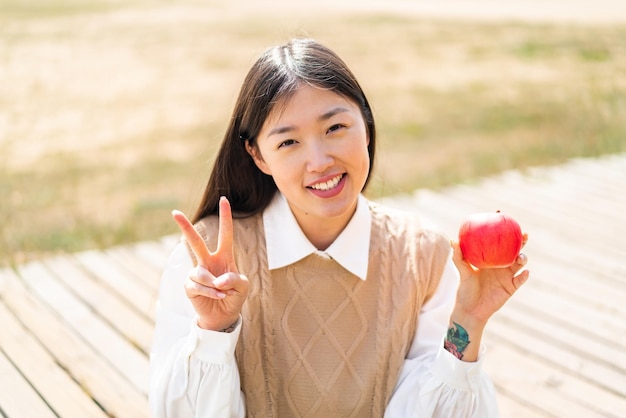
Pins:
<point x="214" y="286"/>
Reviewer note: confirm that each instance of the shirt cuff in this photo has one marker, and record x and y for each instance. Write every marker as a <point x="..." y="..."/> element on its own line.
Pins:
<point x="214" y="346"/>
<point x="463" y="375"/>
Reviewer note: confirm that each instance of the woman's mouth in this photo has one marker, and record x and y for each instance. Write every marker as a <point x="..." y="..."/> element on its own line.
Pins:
<point x="331" y="187"/>
<point x="327" y="185"/>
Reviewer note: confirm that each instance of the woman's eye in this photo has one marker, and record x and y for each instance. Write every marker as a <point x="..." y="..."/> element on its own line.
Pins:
<point x="286" y="143"/>
<point x="335" y="127"/>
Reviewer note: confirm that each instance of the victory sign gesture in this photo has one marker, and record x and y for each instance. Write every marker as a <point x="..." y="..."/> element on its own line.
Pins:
<point x="214" y="286"/>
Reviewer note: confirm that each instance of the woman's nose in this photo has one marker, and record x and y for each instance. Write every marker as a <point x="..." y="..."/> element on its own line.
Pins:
<point x="319" y="158"/>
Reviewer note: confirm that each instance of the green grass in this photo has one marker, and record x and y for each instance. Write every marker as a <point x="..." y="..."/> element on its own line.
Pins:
<point x="146" y="102"/>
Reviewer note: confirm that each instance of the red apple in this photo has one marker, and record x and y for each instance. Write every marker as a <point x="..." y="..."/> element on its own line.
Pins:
<point x="490" y="240"/>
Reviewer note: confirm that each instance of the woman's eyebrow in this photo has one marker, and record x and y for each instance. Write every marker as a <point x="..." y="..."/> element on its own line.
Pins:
<point x="325" y="116"/>
<point x="333" y="112"/>
<point x="281" y="130"/>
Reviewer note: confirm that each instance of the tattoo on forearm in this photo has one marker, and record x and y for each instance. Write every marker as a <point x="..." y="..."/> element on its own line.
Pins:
<point x="456" y="341"/>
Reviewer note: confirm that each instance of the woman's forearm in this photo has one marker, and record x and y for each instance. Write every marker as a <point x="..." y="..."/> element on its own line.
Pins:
<point x="464" y="337"/>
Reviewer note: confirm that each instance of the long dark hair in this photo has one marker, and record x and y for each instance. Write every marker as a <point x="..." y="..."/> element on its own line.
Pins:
<point x="273" y="77"/>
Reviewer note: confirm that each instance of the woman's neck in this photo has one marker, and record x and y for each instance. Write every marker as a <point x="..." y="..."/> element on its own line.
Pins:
<point x="322" y="232"/>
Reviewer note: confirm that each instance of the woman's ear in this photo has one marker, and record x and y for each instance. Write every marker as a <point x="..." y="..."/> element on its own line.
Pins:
<point x="253" y="150"/>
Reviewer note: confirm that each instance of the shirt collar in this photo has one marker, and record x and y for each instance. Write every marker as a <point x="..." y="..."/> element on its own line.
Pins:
<point x="287" y="244"/>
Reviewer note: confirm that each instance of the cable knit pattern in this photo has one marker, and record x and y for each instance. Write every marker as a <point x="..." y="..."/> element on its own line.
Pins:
<point x="317" y="341"/>
<point x="381" y="252"/>
<point x="256" y="357"/>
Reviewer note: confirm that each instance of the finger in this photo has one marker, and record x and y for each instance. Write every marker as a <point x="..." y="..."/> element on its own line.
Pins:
<point x="524" y="239"/>
<point x="231" y="282"/>
<point x="457" y="257"/>
<point x="196" y="243"/>
<point x="194" y="289"/>
<point x="201" y="275"/>
<point x="520" y="279"/>
<point x="519" y="263"/>
<point x="225" y="235"/>
<point x="227" y="282"/>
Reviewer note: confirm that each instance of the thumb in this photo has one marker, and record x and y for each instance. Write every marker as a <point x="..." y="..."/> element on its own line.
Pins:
<point x="463" y="266"/>
<point x="232" y="282"/>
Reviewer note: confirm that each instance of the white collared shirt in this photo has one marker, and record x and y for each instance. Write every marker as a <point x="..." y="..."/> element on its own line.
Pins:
<point x="194" y="372"/>
<point x="287" y="244"/>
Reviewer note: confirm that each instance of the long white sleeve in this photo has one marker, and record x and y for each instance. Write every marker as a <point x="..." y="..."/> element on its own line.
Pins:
<point x="434" y="383"/>
<point x="193" y="372"/>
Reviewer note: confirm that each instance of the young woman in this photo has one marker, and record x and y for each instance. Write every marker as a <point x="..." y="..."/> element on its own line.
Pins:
<point x="292" y="295"/>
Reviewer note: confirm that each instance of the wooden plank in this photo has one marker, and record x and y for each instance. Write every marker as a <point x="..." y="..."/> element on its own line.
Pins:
<point x="146" y="260"/>
<point x="63" y="395"/>
<point x="127" y="256"/>
<point x="156" y="253"/>
<point x="554" y="392"/>
<point x="449" y="208"/>
<point x="123" y="283"/>
<point x="560" y="315"/>
<point x="127" y="359"/>
<point x="540" y="192"/>
<point x="595" y="323"/>
<point x="135" y="327"/>
<point x="600" y="177"/>
<point x="541" y="248"/>
<point x="84" y="363"/>
<point x="17" y="396"/>
<point x="580" y="286"/>
<point x="598" y="264"/>
<point x="517" y="408"/>
<point x="563" y="349"/>
<point x="596" y="360"/>
<point x="565" y="185"/>
<point x="553" y="212"/>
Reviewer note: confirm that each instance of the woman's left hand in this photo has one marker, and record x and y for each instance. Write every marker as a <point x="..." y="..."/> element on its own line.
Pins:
<point x="483" y="291"/>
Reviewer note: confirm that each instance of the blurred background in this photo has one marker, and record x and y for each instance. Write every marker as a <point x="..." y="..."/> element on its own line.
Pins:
<point x="111" y="110"/>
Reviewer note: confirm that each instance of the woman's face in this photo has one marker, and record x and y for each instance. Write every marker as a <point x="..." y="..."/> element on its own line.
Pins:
<point x="315" y="148"/>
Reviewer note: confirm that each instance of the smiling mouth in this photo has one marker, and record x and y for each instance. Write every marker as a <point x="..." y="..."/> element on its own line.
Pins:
<point x="328" y="185"/>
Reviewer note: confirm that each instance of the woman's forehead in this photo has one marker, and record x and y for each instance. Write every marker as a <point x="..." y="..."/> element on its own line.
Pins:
<point x="309" y="101"/>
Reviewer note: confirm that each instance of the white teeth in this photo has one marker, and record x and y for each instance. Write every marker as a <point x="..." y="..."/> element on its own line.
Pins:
<point x="330" y="184"/>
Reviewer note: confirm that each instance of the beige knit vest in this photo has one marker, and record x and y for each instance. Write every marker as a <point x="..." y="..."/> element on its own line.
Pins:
<point x="317" y="341"/>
